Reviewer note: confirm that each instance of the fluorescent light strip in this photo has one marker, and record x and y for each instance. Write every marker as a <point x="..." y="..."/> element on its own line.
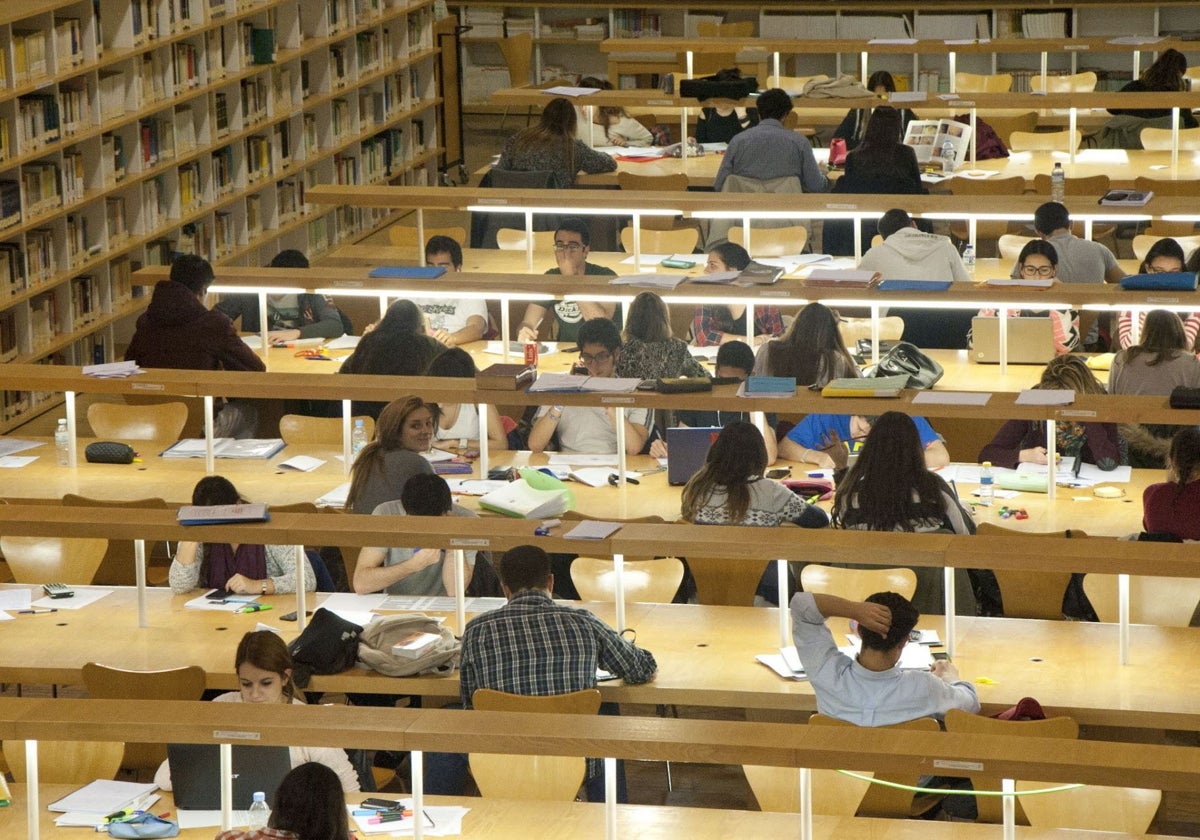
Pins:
<point x="571" y="211"/>
<point x="243" y="290"/>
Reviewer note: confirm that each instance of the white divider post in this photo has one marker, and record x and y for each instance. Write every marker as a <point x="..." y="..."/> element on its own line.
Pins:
<point x="263" y="324"/>
<point x="460" y="589"/>
<point x="1072" y="124"/>
<point x="33" y="814"/>
<point x="951" y="602"/>
<point x="139" y="574"/>
<point x="210" y="461"/>
<point x="1051" y="458"/>
<point x="505" y="325"/>
<point x="72" y="443"/>
<point x="622" y="460"/>
<point x="482" y="408"/>
<point x="619" y="594"/>
<point x="225" y="751"/>
<point x="347" y="445"/>
<point x="863" y="70"/>
<point x="1045" y="60"/>
<point x="301" y="595"/>
<point x="746" y="234"/>
<point x="785" y="624"/>
<point x="1008" y="809"/>
<point x="874" y="333"/>
<point x="421" y="231"/>
<point x="417" y="785"/>
<point x="528" y="246"/>
<point x="1174" y="140"/>
<point x="805" y="804"/>
<point x="953" y="68"/>
<point x="1123" y="616"/>
<point x="750" y="320"/>
<point x="610" y="798"/>
<point x="1002" y="323"/>
<point x="775" y="63"/>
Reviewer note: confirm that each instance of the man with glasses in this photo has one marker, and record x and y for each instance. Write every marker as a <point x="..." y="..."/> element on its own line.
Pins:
<point x="1079" y="260"/>
<point x="571" y="248"/>
<point x="592" y="429"/>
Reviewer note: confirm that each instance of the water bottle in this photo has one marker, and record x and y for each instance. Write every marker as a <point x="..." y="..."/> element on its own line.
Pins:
<point x="62" y="442"/>
<point x="947" y="158"/>
<point x="1058" y="184"/>
<point x="258" y="813"/>
<point x="969" y="256"/>
<point x="358" y="437"/>
<point x="987" y="487"/>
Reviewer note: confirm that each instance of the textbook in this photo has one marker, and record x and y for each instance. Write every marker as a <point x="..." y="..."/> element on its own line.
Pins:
<point x="502" y="377"/>
<point x="879" y="386"/>
<point x="914" y="285"/>
<point x="409" y="272"/>
<point x="567" y="383"/>
<point x="222" y="514"/>
<point x="1126" y="198"/>
<point x="927" y="137"/>
<point x="768" y="386"/>
<point x="226" y="448"/>
<point x="842" y="278"/>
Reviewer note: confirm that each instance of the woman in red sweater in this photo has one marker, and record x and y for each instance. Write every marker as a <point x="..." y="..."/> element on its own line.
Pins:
<point x="1173" y="507"/>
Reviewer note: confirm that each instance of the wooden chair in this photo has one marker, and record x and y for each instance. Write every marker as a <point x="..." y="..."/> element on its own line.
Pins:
<point x="192" y="428"/>
<point x="512" y="239"/>
<point x="987" y="232"/>
<point x="1011" y="244"/>
<point x="990" y="808"/>
<point x="531" y="777"/>
<point x="116" y="569"/>
<point x="67" y="762"/>
<point x="682" y="241"/>
<point x="164" y="421"/>
<point x="1159" y="139"/>
<point x="677" y="182"/>
<point x="45" y="559"/>
<point x="772" y="242"/>
<point x="1030" y="593"/>
<point x="404" y="236"/>
<point x="517" y="51"/>
<point x="1049" y="141"/>
<point x="726" y="582"/>
<point x="647" y="581"/>
<point x="1005" y="124"/>
<point x="108" y="683"/>
<point x="857" y="584"/>
<point x="1162" y="187"/>
<point x="1143" y="242"/>
<point x="1128" y="811"/>
<point x="324" y="431"/>
<point x="1166" y="601"/>
<point x="1074" y="83"/>
<point x="982" y="83"/>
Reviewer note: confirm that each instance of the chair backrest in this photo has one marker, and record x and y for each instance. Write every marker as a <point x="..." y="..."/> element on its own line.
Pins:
<point x="67" y="762"/>
<point x="1030" y="593"/>
<point x="726" y="582"/>
<point x="192" y="428"/>
<point x="1159" y="139"/>
<point x="1192" y="77"/>
<point x="117" y="566"/>
<point x="406" y="237"/>
<point x="1073" y="83"/>
<point x="1093" y="807"/>
<point x="326" y="431"/>
<point x="1011" y="244"/>
<point x="53" y="559"/>
<point x="1167" y="601"/>
<point x="664" y="183"/>
<point x="647" y="581"/>
<point x="990" y="808"/>
<point x="518" y="55"/>
<point x="1142" y="243"/>
<point x="1091" y="185"/>
<point x="682" y="241"/>
<point x="988" y="186"/>
<point x="164" y="421"/>
<point x="982" y="83"/>
<point x="1052" y="141"/>
<point x="1004" y="124"/>
<point x="531" y="777"/>
<point x="772" y="242"/>
<point x="833" y="793"/>
<point x="512" y="239"/>
<point x="1161" y="186"/>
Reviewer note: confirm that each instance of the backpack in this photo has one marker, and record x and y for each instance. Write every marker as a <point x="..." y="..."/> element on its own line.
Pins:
<point x="375" y="646"/>
<point x="988" y="144"/>
<point x="328" y="645"/>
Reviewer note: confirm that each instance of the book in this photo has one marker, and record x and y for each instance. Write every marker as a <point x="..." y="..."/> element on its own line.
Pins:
<point x="567" y="383"/>
<point x="103" y="796"/>
<point x="219" y="514"/>
<point x="408" y="272"/>
<point x="649" y="281"/>
<point x="1126" y="198"/>
<point x="928" y="137"/>
<point x="914" y="285"/>
<point x="521" y="501"/>
<point x="1029" y="282"/>
<point x="226" y="448"/>
<point x="759" y="274"/>
<point x="502" y="377"/>
<point x="842" y="278"/>
<point x="769" y="386"/>
<point x="415" y="644"/>
<point x="882" y="386"/>
<point x="262" y="45"/>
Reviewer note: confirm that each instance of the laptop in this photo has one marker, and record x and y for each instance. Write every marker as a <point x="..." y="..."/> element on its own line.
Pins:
<point x="196" y="774"/>
<point x="1030" y="340"/>
<point x="686" y="450"/>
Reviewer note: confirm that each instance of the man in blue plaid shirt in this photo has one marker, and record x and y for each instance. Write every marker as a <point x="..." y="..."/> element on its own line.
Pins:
<point x="532" y="645"/>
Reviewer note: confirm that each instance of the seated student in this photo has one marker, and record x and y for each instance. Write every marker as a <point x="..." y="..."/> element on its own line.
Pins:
<point x="735" y="360"/>
<point x="1173" y="506"/>
<point x="414" y="571"/>
<point x="1038" y="259"/>
<point x="452" y="321"/>
<point x="730" y="490"/>
<point x="854" y="125"/>
<point x="869" y="690"/>
<point x="572" y="241"/>
<point x="309" y="805"/>
<point x="592" y="428"/>
<point x="264" y="671"/>
<point x="243" y="568"/>
<point x="553" y="146"/>
<point x="404" y="430"/>
<point x="1024" y="441"/>
<point x="1165" y="255"/>
<point x="809" y="439"/>
<point x="649" y="351"/>
<point x="1079" y="260"/>
<point x="460" y="421"/>
<point x="722" y="122"/>
<point x="811" y="351"/>
<point x="718" y="323"/>
<point x="289" y="316"/>
<point x="610" y="125"/>
<point x="397" y="346"/>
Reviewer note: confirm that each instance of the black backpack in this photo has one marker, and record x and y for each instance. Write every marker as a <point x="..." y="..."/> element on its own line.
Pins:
<point x="328" y="645"/>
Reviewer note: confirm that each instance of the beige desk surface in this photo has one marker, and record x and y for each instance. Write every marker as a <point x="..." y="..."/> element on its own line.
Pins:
<point x="499" y="819"/>
<point x="705" y="657"/>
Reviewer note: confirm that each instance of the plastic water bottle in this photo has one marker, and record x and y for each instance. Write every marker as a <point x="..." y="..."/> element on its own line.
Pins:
<point x="987" y="486"/>
<point x="259" y="813"/>
<point x="1058" y="184"/>
<point x="969" y="256"/>
<point x="62" y="442"/>
<point x="358" y="437"/>
<point x="947" y="158"/>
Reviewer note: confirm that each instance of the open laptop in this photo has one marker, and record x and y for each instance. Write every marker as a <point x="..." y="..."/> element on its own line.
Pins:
<point x="686" y="450"/>
<point x="1030" y="340"/>
<point x="196" y="774"/>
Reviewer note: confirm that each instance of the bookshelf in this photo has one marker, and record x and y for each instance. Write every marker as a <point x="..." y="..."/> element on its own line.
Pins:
<point x="132" y="130"/>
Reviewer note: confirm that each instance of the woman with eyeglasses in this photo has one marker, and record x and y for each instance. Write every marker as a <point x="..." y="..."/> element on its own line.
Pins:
<point x="1164" y="256"/>
<point x="1038" y="261"/>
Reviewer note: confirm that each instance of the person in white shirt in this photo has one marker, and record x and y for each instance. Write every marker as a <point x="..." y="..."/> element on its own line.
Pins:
<point x="608" y="125"/>
<point x="452" y="321"/>
<point x="907" y="253"/>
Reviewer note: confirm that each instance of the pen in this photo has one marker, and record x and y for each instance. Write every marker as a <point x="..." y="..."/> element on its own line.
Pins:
<point x="249" y="608"/>
<point x="36" y="612"/>
<point x="613" y="479"/>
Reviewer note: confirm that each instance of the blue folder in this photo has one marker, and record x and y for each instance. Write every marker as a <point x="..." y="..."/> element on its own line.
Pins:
<point x="914" y="285"/>
<point x="409" y="272"/>
<point x="1173" y="281"/>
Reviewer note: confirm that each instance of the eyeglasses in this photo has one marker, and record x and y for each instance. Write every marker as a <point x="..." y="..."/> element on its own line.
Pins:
<point x="572" y="247"/>
<point x="1037" y="270"/>
<point x="599" y="358"/>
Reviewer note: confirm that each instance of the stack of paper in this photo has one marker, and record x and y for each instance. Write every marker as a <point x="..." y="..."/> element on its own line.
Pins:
<point x="844" y="278"/>
<point x="592" y="530"/>
<point x="103" y="797"/>
<point x="112" y="370"/>
<point x="345" y="342"/>
<point x="649" y="281"/>
<point x="880" y="386"/>
<point x="568" y="383"/>
<point x="221" y="514"/>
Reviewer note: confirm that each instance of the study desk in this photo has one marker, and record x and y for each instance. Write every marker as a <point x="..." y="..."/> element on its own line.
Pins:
<point x="705" y="657"/>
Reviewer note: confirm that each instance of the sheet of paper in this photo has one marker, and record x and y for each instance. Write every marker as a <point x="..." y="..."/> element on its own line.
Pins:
<point x="254" y="342"/>
<point x="952" y="398"/>
<point x="335" y="497"/>
<point x="11" y="446"/>
<point x="207" y="819"/>
<point x="439" y="821"/>
<point x="13" y="462"/>
<point x="1049" y="396"/>
<point x="911" y="95"/>
<point x="997" y="493"/>
<point x="83" y="596"/>
<point x="16" y="598"/>
<point x="598" y="476"/>
<point x="590" y="529"/>
<point x="103" y="796"/>
<point x="439" y="603"/>
<point x="582" y="460"/>
<point x="345" y="342"/>
<point x="347" y="601"/>
<point x="5" y="616"/>
<point x="1089" y="474"/>
<point x="202" y="602"/>
<point x="301" y="463"/>
<point x="569" y="90"/>
<point x="435" y="456"/>
<point x="474" y="486"/>
<point x="517" y="348"/>
<point x="775" y="662"/>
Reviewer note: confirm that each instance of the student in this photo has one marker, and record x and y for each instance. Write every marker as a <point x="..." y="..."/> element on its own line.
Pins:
<point x="237" y="567"/>
<point x="452" y="321"/>
<point x="853" y="127"/>
<point x="592" y="429"/>
<point x="1079" y="260"/>
<point x="1165" y="74"/>
<point x="460" y="421"/>
<point x="397" y="346"/>
<point x="730" y="490"/>
<point x="264" y="671"/>
<point x="718" y="323"/>
<point x="1173" y="507"/>
<point x="811" y="351"/>
<point x="722" y="122"/>
<point x="1038" y="260"/>
<point x="611" y="125"/>
<point x="809" y="440"/>
<point x="572" y="243"/>
<point x="649" y="351"/>
<point x="414" y="571"/>
<point x="309" y="805"/>
<point x="553" y="146"/>
<point x="1165" y="255"/>
<point x="404" y="430"/>
<point x="289" y="316"/>
<point x="769" y="150"/>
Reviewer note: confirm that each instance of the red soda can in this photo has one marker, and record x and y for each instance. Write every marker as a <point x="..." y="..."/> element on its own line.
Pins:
<point x="531" y="353"/>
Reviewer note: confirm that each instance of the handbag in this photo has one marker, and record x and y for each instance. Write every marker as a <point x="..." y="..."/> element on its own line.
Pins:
<point x="1184" y="397"/>
<point x="143" y="825"/>
<point x="109" y="452"/>
<point x="837" y="151"/>
<point x="906" y="358"/>
<point x="328" y="645"/>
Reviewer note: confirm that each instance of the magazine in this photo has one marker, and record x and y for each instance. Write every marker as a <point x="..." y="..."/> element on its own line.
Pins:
<point x="928" y="136"/>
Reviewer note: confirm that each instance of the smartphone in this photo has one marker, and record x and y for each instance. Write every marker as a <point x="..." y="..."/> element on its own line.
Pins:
<point x="779" y="472"/>
<point x="678" y="263"/>
<point x="380" y="804"/>
<point x="940" y="656"/>
<point x="219" y="594"/>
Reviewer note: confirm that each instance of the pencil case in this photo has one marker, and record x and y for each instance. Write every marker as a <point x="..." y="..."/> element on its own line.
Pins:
<point x="144" y="825"/>
<point x="109" y="452"/>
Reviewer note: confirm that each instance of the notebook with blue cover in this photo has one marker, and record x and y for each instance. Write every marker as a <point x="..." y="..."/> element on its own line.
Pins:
<point x="409" y="272"/>
<point x="770" y="385"/>
<point x="914" y="285"/>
